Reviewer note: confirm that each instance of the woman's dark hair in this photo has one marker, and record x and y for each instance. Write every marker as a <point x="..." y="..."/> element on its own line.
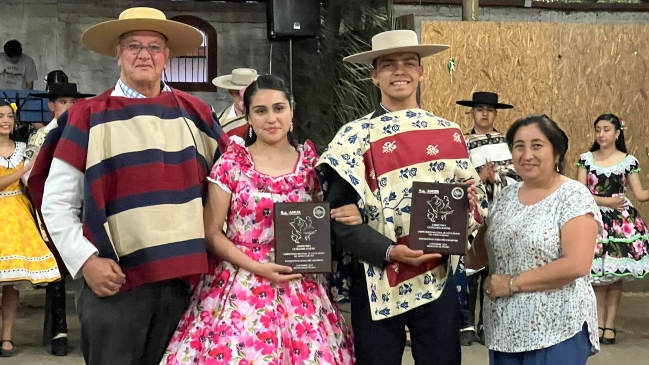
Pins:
<point x="53" y="77"/>
<point x="4" y="102"/>
<point x="266" y="82"/>
<point x="619" y="142"/>
<point x="549" y="128"/>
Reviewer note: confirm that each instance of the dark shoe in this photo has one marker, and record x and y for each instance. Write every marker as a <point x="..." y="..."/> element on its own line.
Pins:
<point x="600" y="337"/>
<point x="466" y="338"/>
<point x="60" y="346"/>
<point x="7" y="353"/>
<point x="481" y="338"/>
<point x="609" y="341"/>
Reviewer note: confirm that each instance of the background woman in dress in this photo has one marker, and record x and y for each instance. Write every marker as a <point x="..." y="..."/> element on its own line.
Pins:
<point x="248" y="309"/>
<point x="538" y="241"/>
<point x="621" y="251"/>
<point x="24" y="258"/>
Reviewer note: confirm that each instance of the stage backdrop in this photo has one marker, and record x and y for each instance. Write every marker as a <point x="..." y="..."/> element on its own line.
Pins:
<point x="572" y="72"/>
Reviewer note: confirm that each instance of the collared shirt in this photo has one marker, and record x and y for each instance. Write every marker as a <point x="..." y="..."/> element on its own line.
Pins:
<point x="62" y="201"/>
<point x="121" y="89"/>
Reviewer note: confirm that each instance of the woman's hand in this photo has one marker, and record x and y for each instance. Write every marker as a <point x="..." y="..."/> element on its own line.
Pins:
<point x="347" y="214"/>
<point x="487" y="174"/>
<point x="497" y="286"/>
<point x="616" y="202"/>
<point x="276" y="273"/>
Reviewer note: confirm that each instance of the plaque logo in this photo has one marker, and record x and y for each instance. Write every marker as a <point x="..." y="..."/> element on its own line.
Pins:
<point x="319" y="212"/>
<point x="302" y="228"/>
<point x="457" y="193"/>
<point x="438" y="208"/>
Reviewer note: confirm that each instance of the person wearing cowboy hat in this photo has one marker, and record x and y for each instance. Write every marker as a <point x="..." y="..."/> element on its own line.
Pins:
<point x="375" y="159"/>
<point x="492" y="159"/>
<point x="136" y="158"/>
<point x="233" y="118"/>
<point x="62" y="96"/>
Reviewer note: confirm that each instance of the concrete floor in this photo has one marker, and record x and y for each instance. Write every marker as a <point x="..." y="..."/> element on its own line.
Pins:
<point x="632" y="347"/>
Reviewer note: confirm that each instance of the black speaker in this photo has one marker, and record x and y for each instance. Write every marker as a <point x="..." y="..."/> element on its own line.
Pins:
<point x="292" y="18"/>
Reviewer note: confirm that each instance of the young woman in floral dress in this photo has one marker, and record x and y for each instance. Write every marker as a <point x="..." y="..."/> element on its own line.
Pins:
<point x="621" y="251"/>
<point x="247" y="309"/>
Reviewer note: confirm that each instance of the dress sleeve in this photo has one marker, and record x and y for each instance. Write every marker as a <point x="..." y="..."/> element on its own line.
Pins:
<point x="225" y="173"/>
<point x="575" y="202"/>
<point x="633" y="166"/>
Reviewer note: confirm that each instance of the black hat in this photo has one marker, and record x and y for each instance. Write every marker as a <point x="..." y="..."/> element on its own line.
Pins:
<point x="484" y="98"/>
<point x="61" y="90"/>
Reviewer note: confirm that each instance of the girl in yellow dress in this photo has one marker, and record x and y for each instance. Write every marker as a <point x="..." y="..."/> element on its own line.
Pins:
<point x="24" y="258"/>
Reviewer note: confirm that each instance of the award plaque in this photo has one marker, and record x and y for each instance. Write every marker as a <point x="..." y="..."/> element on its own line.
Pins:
<point x="303" y="237"/>
<point x="439" y="218"/>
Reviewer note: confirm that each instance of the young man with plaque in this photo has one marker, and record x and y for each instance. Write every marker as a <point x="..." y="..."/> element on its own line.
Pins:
<point x="374" y="161"/>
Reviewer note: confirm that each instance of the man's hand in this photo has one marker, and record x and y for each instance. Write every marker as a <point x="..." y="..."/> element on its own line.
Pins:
<point x="487" y="174"/>
<point x="103" y="276"/>
<point x="471" y="194"/>
<point x="403" y="253"/>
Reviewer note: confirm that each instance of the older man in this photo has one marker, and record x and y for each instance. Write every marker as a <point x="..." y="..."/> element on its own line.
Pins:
<point x="136" y="158"/>
<point x="374" y="161"/>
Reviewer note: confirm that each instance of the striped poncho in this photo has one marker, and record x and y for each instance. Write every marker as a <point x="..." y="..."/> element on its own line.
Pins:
<point x="145" y="163"/>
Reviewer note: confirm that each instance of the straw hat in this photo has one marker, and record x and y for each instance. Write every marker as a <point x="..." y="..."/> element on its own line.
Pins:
<point x="237" y="80"/>
<point x="181" y="38"/>
<point x="395" y="41"/>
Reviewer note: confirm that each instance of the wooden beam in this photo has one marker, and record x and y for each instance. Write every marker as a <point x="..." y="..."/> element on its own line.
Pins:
<point x="557" y="5"/>
<point x="470" y="9"/>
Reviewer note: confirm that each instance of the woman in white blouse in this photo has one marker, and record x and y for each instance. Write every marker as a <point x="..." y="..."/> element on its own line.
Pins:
<point x="538" y="242"/>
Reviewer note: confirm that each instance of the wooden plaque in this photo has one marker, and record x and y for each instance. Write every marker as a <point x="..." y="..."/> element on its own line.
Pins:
<point x="303" y="236"/>
<point x="439" y="218"/>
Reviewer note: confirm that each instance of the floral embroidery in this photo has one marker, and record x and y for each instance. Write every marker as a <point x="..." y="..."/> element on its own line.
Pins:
<point x="432" y="150"/>
<point x="388" y="147"/>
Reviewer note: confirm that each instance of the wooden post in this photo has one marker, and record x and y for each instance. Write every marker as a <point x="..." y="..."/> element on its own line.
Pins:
<point x="470" y="10"/>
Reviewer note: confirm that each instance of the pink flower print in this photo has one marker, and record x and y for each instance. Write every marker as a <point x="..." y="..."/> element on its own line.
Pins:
<point x="267" y="343"/>
<point x="245" y="342"/>
<point x="616" y="227"/>
<point x="639" y="248"/>
<point x="627" y="229"/>
<point x="639" y="224"/>
<point x="220" y="355"/>
<point x="303" y="305"/>
<point x="268" y="319"/>
<point x="197" y="341"/>
<point x="324" y="354"/>
<point x="309" y="286"/>
<point x="598" y="248"/>
<point x="300" y="352"/>
<point x="225" y="331"/>
<point x="625" y="213"/>
<point x="304" y="329"/>
<point x="264" y="212"/>
<point x="592" y="183"/>
<point x="243" y="201"/>
<point x="262" y="295"/>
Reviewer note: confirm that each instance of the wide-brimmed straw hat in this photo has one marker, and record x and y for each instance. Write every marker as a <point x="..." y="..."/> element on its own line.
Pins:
<point x="484" y="98"/>
<point x="182" y="39"/>
<point x="395" y="41"/>
<point x="237" y="80"/>
<point x="62" y="90"/>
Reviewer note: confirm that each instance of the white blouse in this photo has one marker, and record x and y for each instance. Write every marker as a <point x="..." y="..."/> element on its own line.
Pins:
<point x="521" y="238"/>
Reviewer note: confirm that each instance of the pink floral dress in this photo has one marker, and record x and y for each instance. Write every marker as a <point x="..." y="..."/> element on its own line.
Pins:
<point x="236" y="317"/>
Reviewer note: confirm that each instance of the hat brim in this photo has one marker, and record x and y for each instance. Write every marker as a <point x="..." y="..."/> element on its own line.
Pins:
<point x="424" y="50"/>
<point x="182" y="39"/>
<point x="225" y="82"/>
<point x="471" y="104"/>
<point x="65" y="95"/>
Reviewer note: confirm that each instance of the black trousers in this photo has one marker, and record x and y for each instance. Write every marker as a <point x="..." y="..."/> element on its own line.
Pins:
<point x="476" y="293"/>
<point x="131" y="328"/>
<point x="434" y="329"/>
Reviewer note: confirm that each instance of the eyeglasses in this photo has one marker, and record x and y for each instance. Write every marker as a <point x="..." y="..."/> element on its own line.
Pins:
<point x="135" y="48"/>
